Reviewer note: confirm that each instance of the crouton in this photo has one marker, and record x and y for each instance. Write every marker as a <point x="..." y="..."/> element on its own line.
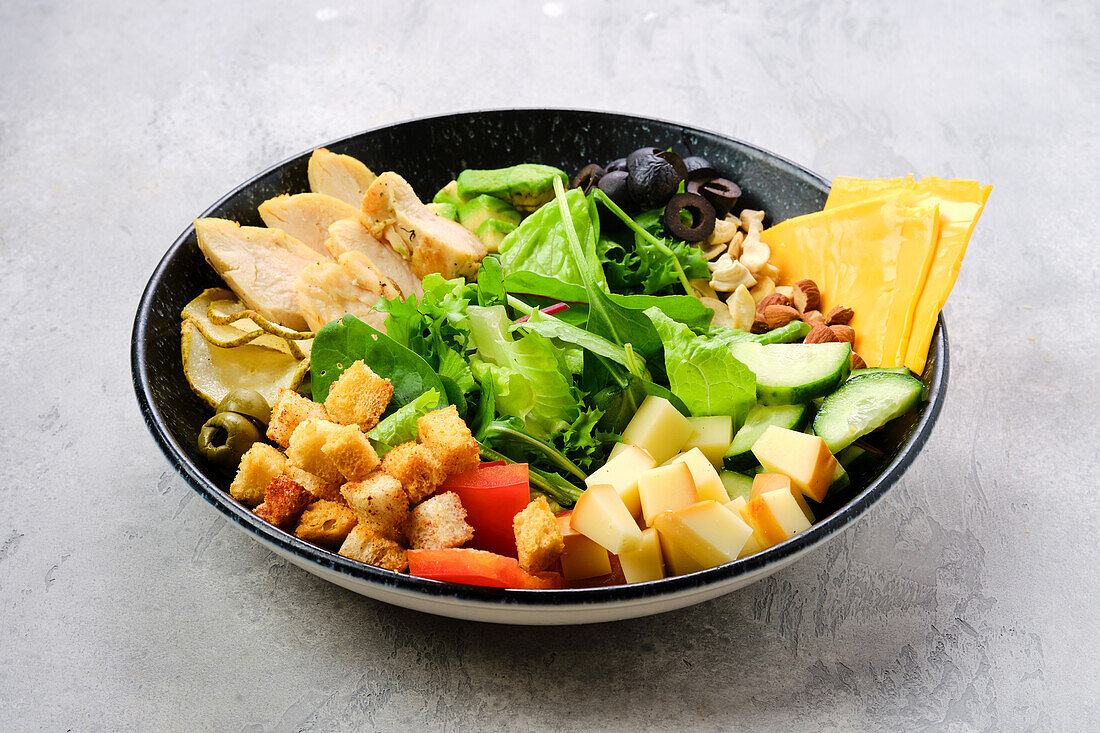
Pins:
<point x="289" y="411"/>
<point x="359" y="396"/>
<point x="538" y="540"/>
<point x="304" y="450"/>
<point x="449" y="440"/>
<point x="416" y="467"/>
<point x="438" y="523"/>
<point x="379" y="502"/>
<point x="326" y="523"/>
<point x="259" y="465"/>
<point x="351" y="452"/>
<point x="319" y="487"/>
<point x="366" y="545"/>
<point x="284" y="502"/>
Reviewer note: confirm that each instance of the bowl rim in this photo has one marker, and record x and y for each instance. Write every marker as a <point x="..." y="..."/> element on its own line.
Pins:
<point x="403" y="583"/>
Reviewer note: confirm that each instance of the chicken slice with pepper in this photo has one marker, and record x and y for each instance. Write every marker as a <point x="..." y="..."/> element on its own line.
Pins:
<point x="352" y="235"/>
<point x="350" y="285"/>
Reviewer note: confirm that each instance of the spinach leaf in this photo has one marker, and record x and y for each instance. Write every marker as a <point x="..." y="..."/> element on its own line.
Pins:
<point x="538" y="245"/>
<point x="529" y="376"/>
<point x="400" y="426"/>
<point x="340" y="343"/>
<point x="703" y="373"/>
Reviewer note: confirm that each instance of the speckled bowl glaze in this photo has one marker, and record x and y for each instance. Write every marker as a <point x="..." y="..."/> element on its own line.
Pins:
<point x="428" y="153"/>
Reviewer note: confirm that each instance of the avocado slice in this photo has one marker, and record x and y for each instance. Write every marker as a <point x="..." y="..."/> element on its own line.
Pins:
<point x="482" y="208"/>
<point x="526" y="186"/>
<point x="447" y="211"/>
<point x="492" y="232"/>
<point x="449" y="195"/>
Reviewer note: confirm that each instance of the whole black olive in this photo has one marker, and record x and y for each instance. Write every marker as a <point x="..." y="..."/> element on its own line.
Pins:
<point x="651" y="179"/>
<point x="722" y="194"/>
<point x="587" y="178"/>
<point x="699" y="210"/>
<point x="614" y="185"/>
<point x="619" y="164"/>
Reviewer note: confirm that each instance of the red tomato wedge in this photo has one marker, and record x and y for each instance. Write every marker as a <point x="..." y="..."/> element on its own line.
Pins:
<point x="492" y="496"/>
<point x="477" y="567"/>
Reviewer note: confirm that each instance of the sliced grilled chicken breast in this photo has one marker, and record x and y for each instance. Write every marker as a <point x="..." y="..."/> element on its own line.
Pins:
<point x="259" y="264"/>
<point x="339" y="176"/>
<point x="306" y="216"/>
<point x="352" y="235"/>
<point x="330" y="290"/>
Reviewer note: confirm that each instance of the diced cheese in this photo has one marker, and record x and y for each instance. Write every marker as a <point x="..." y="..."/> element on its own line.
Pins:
<point x="582" y="557"/>
<point x="762" y="483"/>
<point x="712" y="435"/>
<point x="960" y="204"/>
<point x="707" y="531"/>
<point x="708" y="484"/>
<point x="622" y="471"/>
<point x="617" y="449"/>
<point x="646" y="563"/>
<point x="755" y="543"/>
<point x="601" y="516"/>
<point x="659" y="428"/>
<point x="665" y="488"/>
<point x="677" y="561"/>
<point x="775" y="517"/>
<point x="873" y="256"/>
<point x="804" y="458"/>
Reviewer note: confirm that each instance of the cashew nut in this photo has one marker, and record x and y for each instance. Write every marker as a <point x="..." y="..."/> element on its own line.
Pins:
<point x="727" y="274"/>
<point x="742" y="308"/>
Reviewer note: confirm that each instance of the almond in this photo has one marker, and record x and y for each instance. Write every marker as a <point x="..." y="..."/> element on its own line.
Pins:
<point x="812" y="317"/>
<point x="806" y="296"/>
<point x="820" y="334"/>
<point x="844" y="333"/>
<point x="777" y="316"/>
<point x="773" y="299"/>
<point x="857" y="361"/>
<point x="840" y="315"/>
<point x="759" y="325"/>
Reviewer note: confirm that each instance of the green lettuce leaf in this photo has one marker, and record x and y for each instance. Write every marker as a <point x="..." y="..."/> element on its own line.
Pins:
<point x="539" y="244"/>
<point x="400" y="426"/>
<point x="529" y="376"/>
<point x="340" y="343"/>
<point x="703" y="373"/>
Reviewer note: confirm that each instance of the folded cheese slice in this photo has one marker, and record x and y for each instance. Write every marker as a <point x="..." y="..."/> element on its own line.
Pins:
<point x="873" y="256"/>
<point x="960" y="204"/>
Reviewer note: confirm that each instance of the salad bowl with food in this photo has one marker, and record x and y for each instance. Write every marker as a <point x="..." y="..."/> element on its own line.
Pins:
<point x="550" y="366"/>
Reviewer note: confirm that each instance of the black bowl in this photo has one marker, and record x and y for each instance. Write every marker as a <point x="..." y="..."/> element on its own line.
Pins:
<point x="428" y="153"/>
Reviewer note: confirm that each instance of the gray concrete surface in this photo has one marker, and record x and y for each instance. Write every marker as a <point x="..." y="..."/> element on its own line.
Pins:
<point x="964" y="601"/>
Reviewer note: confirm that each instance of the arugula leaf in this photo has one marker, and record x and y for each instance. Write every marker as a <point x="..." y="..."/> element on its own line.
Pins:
<point x="538" y="245"/>
<point x="400" y="426"/>
<point x="530" y="378"/>
<point x="490" y="283"/>
<point x="703" y="373"/>
<point x="340" y="343"/>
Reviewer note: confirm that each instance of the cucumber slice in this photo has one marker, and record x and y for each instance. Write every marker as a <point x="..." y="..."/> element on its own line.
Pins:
<point x="739" y="455"/>
<point x="737" y="484"/>
<point x="864" y="404"/>
<point x="875" y="370"/>
<point x="789" y="374"/>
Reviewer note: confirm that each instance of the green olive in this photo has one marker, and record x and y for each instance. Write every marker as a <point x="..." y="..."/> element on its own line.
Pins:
<point x="225" y="437"/>
<point x="246" y="402"/>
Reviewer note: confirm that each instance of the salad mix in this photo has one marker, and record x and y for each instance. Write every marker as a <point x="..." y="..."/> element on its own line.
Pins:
<point x="537" y="382"/>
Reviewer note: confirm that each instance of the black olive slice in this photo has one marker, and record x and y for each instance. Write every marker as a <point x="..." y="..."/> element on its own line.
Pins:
<point x="619" y="164"/>
<point x="722" y="194"/>
<point x="587" y="178"/>
<point x="696" y="178"/>
<point x="700" y="211"/>
<point x="675" y="161"/>
<point x="614" y="185"/>
<point x="694" y="163"/>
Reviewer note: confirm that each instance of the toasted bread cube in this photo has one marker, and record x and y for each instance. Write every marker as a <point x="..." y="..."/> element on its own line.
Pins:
<point x="416" y="467"/>
<point x="358" y="397"/>
<point x="319" y="487"/>
<point x="305" y="449"/>
<point x="449" y="440"/>
<point x="366" y="545"/>
<point x="538" y="539"/>
<point x="289" y="411"/>
<point x="284" y="502"/>
<point x="259" y="465"/>
<point x="326" y="523"/>
<point x="438" y="523"/>
<point x="379" y="502"/>
<point x="349" y="449"/>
